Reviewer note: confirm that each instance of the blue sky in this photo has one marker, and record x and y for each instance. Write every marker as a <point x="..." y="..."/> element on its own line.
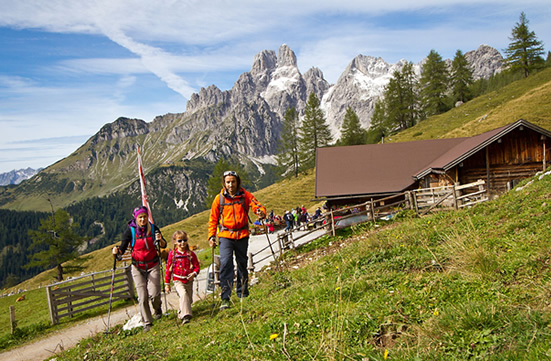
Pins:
<point x="68" y="67"/>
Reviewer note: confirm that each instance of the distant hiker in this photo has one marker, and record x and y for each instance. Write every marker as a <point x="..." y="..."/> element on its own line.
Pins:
<point x="182" y="267"/>
<point x="145" y="240"/>
<point x="288" y="218"/>
<point x="229" y="212"/>
<point x="317" y="214"/>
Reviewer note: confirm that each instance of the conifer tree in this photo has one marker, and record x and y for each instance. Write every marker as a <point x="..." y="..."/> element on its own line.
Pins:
<point x="288" y="156"/>
<point x="57" y="240"/>
<point x="401" y="99"/>
<point x="378" y="128"/>
<point x="434" y="85"/>
<point x="525" y="51"/>
<point x="314" y="132"/>
<point x="352" y="132"/>
<point x="461" y="78"/>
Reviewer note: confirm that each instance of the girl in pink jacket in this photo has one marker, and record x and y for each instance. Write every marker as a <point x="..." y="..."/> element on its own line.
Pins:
<point x="182" y="267"/>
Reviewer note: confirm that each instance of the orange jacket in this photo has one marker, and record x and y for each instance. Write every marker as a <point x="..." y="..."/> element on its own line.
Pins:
<point x="231" y="215"/>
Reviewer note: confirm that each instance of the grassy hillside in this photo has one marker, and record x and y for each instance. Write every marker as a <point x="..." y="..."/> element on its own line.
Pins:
<point x="469" y="284"/>
<point x="524" y="99"/>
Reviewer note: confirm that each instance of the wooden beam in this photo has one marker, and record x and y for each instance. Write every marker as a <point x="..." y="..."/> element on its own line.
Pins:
<point x="487" y="168"/>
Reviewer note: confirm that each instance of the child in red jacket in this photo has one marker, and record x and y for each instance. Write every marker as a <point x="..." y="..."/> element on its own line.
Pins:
<point x="182" y="267"/>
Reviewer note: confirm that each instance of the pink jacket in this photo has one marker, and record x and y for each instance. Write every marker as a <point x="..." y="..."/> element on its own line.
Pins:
<point x="180" y="265"/>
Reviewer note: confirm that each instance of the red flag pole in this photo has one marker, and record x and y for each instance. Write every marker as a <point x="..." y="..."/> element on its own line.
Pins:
<point x="145" y="201"/>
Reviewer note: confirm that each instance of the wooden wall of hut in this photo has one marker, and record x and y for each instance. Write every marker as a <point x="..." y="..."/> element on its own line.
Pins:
<point x="518" y="155"/>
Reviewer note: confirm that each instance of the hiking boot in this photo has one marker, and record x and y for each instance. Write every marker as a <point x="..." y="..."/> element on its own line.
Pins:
<point x="225" y="304"/>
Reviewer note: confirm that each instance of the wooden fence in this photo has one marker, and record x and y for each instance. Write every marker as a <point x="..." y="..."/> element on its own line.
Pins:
<point x="449" y="197"/>
<point x="420" y="200"/>
<point x="80" y="294"/>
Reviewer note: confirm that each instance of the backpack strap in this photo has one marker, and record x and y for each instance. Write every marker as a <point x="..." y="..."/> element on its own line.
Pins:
<point x="133" y="230"/>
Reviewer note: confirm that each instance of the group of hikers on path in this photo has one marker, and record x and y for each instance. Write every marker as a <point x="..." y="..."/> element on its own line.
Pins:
<point x="298" y="216"/>
<point x="228" y="222"/>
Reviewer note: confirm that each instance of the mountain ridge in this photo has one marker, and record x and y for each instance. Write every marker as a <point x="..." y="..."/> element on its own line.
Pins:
<point x="242" y="123"/>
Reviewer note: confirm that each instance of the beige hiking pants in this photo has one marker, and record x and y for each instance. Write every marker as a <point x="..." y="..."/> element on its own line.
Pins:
<point x="148" y="287"/>
<point x="185" y="294"/>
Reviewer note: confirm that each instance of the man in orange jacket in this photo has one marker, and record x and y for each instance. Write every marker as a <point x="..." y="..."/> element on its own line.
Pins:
<point x="229" y="213"/>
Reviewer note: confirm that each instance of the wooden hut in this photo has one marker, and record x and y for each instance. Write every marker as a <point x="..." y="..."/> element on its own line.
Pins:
<point x="501" y="157"/>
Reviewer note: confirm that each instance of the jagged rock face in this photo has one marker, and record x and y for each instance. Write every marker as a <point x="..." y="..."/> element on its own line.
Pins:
<point x="485" y="61"/>
<point x="359" y="87"/>
<point x="247" y="119"/>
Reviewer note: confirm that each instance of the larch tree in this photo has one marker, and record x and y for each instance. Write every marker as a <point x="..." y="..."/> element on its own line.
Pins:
<point x="434" y="85"/>
<point x="401" y="99"/>
<point x="57" y="242"/>
<point x="461" y="78"/>
<point x="379" y="127"/>
<point x="288" y="155"/>
<point x="352" y="132"/>
<point x="525" y="51"/>
<point x="314" y="132"/>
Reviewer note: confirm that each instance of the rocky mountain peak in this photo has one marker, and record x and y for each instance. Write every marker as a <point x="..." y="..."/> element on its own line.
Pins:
<point x="263" y="63"/>
<point x="485" y="61"/>
<point x="369" y="66"/>
<point x="286" y="57"/>
<point x="121" y="128"/>
<point x="205" y="98"/>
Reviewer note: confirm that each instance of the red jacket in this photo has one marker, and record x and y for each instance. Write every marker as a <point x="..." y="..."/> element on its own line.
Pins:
<point x="180" y="265"/>
<point x="230" y="214"/>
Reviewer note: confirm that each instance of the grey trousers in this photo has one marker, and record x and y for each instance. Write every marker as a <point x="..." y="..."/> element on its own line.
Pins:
<point x="148" y="287"/>
<point x="185" y="294"/>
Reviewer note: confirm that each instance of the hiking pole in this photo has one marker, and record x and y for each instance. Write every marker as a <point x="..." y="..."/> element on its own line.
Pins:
<point x="271" y="249"/>
<point x="213" y="276"/>
<point x="111" y="292"/>
<point x="158" y="247"/>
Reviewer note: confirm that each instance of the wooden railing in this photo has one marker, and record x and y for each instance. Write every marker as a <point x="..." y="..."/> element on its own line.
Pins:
<point x="67" y="298"/>
<point x="449" y="197"/>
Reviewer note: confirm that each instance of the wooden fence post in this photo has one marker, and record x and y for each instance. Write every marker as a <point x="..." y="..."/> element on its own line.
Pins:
<point x="51" y="305"/>
<point x="12" y="319"/>
<point x="250" y="267"/>
<point x="456" y="206"/>
<point x="372" y="209"/>
<point x="332" y="223"/>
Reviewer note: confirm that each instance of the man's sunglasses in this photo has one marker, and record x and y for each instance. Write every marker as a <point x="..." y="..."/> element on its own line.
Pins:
<point x="230" y="172"/>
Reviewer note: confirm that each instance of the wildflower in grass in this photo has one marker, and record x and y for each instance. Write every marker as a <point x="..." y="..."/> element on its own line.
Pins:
<point x="273" y="336"/>
<point x="338" y="288"/>
<point x="436" y="313"/>
<point x="385" y="356"/>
